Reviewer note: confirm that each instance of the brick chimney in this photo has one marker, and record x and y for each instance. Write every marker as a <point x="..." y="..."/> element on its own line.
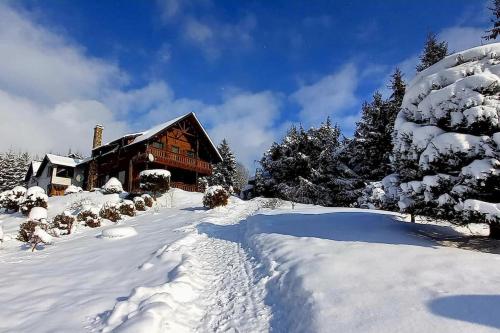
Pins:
<point x="97" y="142"/>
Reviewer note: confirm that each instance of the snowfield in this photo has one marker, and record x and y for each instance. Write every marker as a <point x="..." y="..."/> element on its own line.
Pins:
<point x="245" y="268"/>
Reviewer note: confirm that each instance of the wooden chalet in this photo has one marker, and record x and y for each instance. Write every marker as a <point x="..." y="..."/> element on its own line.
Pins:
<point x="180" y="145"/>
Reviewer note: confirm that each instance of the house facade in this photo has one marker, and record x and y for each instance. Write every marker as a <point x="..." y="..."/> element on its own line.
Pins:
<point x="55" y="173"/>
<point x="180" y="145"/>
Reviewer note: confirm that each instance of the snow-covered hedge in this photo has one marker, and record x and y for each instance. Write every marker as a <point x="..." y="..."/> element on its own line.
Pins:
<point x="35" y="197"/>
<point x="127" y="207"/>
<point x="381" y="195"/>
<point x="215" y="196"/>
<point x="64" y="221"/>
<point x="89" y="215"/>
<point x="14" y="198"/>
<point x="139" y="204"/>
<point x="110" y="211"/>
<point x="155" y="180"/>
<point x="446" y="141"/>
<point x="148" y="200"/>
<point x="72" y="189"/>
<point x="113" y="185"/>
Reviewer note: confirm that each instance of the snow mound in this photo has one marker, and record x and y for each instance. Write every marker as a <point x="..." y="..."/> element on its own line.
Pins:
<point x="34" y="190"/>
<point x="119" y="232"/>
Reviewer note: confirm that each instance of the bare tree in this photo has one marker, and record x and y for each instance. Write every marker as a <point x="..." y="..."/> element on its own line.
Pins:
<point x="241" y="178"/>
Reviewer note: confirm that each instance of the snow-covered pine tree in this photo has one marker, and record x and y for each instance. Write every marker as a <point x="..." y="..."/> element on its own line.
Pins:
<point x="447" y="140"/>
<point x="306" y="167"/>
<point x="493" y="32"/>
<point x="224" y="173"/>
<point x="13" y="168"/>
<point x="372" y="143"/>
<point x="398" y="88"/>
<point x="433" y="52"/>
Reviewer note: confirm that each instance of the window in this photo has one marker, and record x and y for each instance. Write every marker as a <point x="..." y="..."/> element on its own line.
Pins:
<point x="175" y="149"/>
<point x="190" y="153"/>
<point x="64" y="172"/>
<point x="158" y="144"/>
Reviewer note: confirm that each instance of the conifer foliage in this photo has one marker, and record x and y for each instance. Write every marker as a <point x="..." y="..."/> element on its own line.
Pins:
<point x="434" y="51"/>
<point x="224" y="173"/>
<point x="447" y="140"/>
<point x="13" y="168"/>
<point x="493" y="32"/>
<point x="306" y="167"/>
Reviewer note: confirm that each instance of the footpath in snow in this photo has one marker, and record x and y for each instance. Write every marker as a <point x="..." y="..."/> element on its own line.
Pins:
<point x="246" y="268"/>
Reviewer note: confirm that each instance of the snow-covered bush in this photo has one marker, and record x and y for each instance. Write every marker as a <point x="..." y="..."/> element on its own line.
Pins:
<point x="64" y="221"/>
<point x="447" y="139"/>
<point x="3" y="198"/>
<point x="148" y="200"/>
<point x="113" y="185"/>
<point x="110" y="211"/>
<point x="127" y="207"/>
<point x="215" y="196"/>
<point x="90" y="216"/>
<point x="14" y="198"/>
<point x="35" y="197"/>
<point x="381" y="195"/>
<point x="155" y="181"/>
<point x="139" y="204"/>
<point x="72" y="189"/>
<point x="37" y="218"/>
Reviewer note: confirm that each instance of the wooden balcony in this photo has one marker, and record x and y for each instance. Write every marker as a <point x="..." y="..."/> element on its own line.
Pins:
<point x="180" y="161"/>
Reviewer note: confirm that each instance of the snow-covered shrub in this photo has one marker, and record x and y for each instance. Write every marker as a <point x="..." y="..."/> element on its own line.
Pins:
<point x="72" y="189"/>
<point x="215" y="196"/>
<point x="272" y="203"/>
<point x="113" y="185"/>
<point x="127" y="207"/>
<point x="148" y="200"/>
<point x="64" y="221"/>
<point x="90" y="216"/>
<point x="139" y="204"/>
<point x="14" y="198"/>
<point x="110" y="211"/>
<point x="155" y="181"/>
<point x="381" y="195"/>
<point x="446" y="146"/>
<point x="37" y="218"/>
<point x="40" y="236"/>
<point x="35" y="197"/>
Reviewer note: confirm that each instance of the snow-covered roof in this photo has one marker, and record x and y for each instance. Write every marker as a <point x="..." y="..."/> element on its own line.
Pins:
<point x="32" y="170"/>
<point x="62" y="160"/>
<point x="150" y="133"/>
<point x="58" y="160"/>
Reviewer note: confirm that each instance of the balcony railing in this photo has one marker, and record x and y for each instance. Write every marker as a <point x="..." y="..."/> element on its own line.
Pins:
<point x="180" y="161"/>
<point x="185" y="187"/>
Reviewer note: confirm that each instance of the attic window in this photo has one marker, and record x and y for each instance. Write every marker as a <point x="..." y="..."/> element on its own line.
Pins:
<point x="190" y="153"/>
<point x="175" y="149"/>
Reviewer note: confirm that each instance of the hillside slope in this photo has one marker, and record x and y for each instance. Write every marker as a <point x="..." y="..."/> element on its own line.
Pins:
<point x="247" y="268"/>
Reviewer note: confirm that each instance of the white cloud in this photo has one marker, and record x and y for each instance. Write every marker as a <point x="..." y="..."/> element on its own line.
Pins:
<point x="331" y="95"/>
<point x="461" y="37"/>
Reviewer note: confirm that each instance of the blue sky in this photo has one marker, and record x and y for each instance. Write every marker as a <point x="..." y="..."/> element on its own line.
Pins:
<point x="249" y="69"/>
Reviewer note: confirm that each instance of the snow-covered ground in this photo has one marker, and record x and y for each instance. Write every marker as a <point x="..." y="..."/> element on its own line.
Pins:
<point x="244" y="268"/>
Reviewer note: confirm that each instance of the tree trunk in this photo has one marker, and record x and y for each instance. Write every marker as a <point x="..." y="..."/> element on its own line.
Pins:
<point x="412" y="216"/>
<point x="495" y="230"/>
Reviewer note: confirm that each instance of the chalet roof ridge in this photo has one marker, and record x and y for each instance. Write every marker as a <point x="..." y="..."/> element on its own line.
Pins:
<point x="148" y="134"/>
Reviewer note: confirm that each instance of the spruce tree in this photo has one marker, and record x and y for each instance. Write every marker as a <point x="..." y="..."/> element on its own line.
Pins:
<point x="224" y="173"/>
<point x="372" y="144"/>
<point x="13" y="168"/>
<point x="447" y="148"/>
<point x="433" y="52"/>
<point x="493" y="32"/>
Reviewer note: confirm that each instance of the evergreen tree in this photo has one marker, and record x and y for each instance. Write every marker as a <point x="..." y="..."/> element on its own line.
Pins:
<point x="446" y="150"/>
<point x="493" y="32"/>
<point x="433" y="52"/>
<point x="398" y="88"/>
<point x="224" y="173"/>
<point x="13" y="168"/>
<point x="306" y="167"/>
<point x="372" y="145"/>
